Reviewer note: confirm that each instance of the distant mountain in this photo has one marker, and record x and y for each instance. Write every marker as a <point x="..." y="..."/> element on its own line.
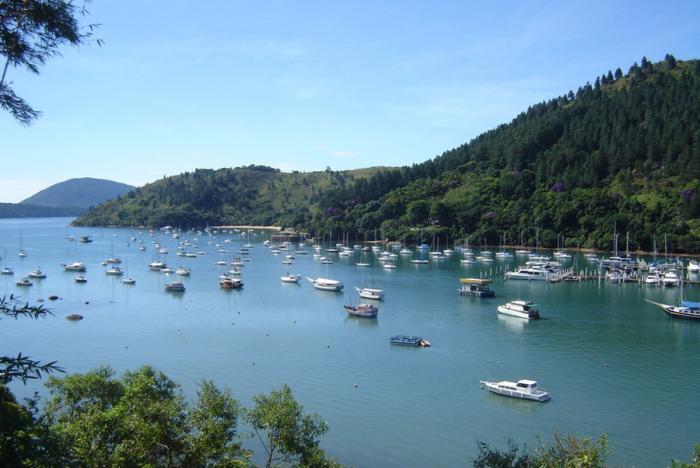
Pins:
<point x="21" y="210"/>
<point x="81" y="193"/>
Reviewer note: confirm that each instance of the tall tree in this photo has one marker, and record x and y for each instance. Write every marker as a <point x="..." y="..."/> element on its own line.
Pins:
<point x="31" y="32"/>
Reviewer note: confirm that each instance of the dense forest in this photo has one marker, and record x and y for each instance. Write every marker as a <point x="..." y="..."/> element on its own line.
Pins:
<point x="619" y="155"/>
<point x="22" y="210"/>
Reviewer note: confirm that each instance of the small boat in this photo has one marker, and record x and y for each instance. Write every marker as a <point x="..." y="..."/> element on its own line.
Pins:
<point x="405" y="340"/>
<point x="290" y="278"/>
<point x="113" y="260"/>
<point x="520" y="308"/>
<point x="183" y="271"/>
<point x="405" y="251"/>
<point x="362" y="264"/>
<point x="476" y="287"/>
<point x="653" y="278"/>
<point x="85" y="239"/>
<point x="7" y="271"/>
<point x="226" y="282"/>
<point x="684" y="309"/>
<point x="389" y="266"/>
<point x="24" y="282"/>
<point x="75" y="266"/>
<point x="670" y="278"/>
<point x="80" y="279"/>
<point x="37" y="274"/>
<point x="420" y="261"/>
<point x="175" y="286"/>
<point x="325" y="284"/>
<point x="286" y="261"/>
<point x="693" y="266"/>
<point x="128" y="281"/>
<point x="524" y="389"/>
<point x="362" y="310"/>
<point x="22" y="253"/>
<point x="114" y="271"/>
<point x="370" y="293"/>
<point x="167" y="270"/>
<point x="156" y="266"/>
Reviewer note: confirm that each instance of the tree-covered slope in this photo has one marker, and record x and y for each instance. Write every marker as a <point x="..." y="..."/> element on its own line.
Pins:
<point x="256" y="195"/>
<point x="84" y="193"/>
<point x="21" y="210"/>
<point x="622" y="153"/>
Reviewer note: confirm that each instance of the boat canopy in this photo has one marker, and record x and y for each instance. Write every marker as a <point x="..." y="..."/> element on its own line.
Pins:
<point x="479" y="281"/>
<point x="690" y="304"/>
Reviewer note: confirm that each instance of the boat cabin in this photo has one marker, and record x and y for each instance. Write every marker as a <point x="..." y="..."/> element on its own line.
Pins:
<point x="476" y="287"/>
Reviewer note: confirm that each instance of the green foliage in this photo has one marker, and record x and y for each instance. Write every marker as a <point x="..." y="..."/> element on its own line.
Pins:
<point x="22" y="367"/>
<point x="31" y="32"/>
<point x="288" y="435"/>
<point x="564" y="452"/>
<point x="694" y="462"/>
<point x="143" y="420"/>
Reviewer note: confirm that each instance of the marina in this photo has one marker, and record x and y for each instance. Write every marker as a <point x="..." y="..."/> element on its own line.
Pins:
<point x="270" y="333"/>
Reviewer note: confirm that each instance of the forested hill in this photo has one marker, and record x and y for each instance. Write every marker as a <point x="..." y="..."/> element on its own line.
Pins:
<point x="622" y="153"/>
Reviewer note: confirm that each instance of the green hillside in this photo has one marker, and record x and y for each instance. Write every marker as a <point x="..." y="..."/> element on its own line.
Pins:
<point x="83" y="193"/>
<point x="21" y="210"/>
<point x="622" y="153"/>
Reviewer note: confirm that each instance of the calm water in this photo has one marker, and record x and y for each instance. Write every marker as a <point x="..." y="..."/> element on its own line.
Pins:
<point x="612" y="363"/>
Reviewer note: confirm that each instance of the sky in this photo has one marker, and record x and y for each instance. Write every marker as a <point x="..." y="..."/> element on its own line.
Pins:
<point x="305" y="85"/>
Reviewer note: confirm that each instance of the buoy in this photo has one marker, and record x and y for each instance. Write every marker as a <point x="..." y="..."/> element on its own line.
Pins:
<point x="53" y="298"/>
<point x="355" y="385"/>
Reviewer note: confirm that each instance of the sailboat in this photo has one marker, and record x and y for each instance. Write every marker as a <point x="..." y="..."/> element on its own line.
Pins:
<point x="6" y="270"/>
<point x="502" y="253"/>
<point x="22" y="252"/>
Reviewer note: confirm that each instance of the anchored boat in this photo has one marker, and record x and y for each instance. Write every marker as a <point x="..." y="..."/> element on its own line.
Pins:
<point x="684" y="309"/>
<point x="520" y="308"/>
<point x="476" y="287"/>
<point x="362" y="310"/>
<point x="405" y="340"/>
<point x="325" y="284"/>
<point x="523" y="389"/>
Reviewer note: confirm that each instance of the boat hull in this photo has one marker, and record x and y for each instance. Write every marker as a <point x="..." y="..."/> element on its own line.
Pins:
<point x="494" y="388"/>
<point x="515" y="313"/>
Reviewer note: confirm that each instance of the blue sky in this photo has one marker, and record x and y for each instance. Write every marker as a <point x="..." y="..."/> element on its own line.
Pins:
<point x="180" y="85"/>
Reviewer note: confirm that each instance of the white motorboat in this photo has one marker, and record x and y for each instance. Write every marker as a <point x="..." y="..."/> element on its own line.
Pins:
<point x="7" y="271"/>
<point x="389" y="266"/>
<point x="370" y="293"/>
<point x="420" y="261"/>
<point x="24" y="282"/>
<point x="530" y="274"/>
<point x="524" y="389"/>
<point x="290" y="278"/>
<point x="156" y="266"/>
<point x="114" y="271"/>
<point x="183" y="271"/>
<point x="670" y="278"/>
<point x="653" y="278"/>
<point x="76" y="266"/>
<point x="37" y="274"/>
<point x="693" y="266"/>
<point x="325" y="284"/>
<point x="362" y="264"/>
<point x="405" y="251"/>
<point x="80" y="279"/>
<point x="128" y="281"/>
<point x="175" y="286"/>
<point x="520" y="308"/>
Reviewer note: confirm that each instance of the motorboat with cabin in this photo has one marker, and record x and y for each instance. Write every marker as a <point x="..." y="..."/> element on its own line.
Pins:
<point x="24" y="282"/>
<point x="405" y="340"/>
<point x="370" y="293"/>
<point x="75" y="266"/>
<point x="523" y="389"/>
<point x="175" y="286"/>
<point x="227" y="282"/>
<point x="37" y="274"/>
<point x="325" y="284"/>
<point x="80" y="279"/>
<point x="520" y="308"/>
<point x="362" y="310"/>
<point x="476" y="287"/>
<point x="290" y="278"/>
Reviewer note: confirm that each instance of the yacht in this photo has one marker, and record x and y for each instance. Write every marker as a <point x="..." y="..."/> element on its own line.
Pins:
<point x="653" y="278"/>
<point x="128" y="281"/>
<point x="362" y="310"/>
<point x="520" y="308"/>
<point x="685" y="309"/>
<point x="530" y="274"/>
<point x="226" y="282"/>
<point x="290" y="278"/>
<point x="175" y="286"/>
<point x="24" y="282"/>
<point x="76" y="266"/>
<point x="370" y="293"/>
<point x="114" y="271"/>
<point x="524" y="389"/>
<point x="156" y="266"/>
<point x="183" y="271"/>
<point x="693" y="266"/>
<point x="325" y="284"/>
<point x="37" y="273"/>
<point x="670" y="278"/>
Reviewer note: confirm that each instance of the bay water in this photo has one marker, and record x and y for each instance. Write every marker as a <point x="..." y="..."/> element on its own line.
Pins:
<point x="612" y="363"/>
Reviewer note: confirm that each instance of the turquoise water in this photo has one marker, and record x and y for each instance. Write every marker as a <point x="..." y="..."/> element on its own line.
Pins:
<point x="612" y="363"/>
